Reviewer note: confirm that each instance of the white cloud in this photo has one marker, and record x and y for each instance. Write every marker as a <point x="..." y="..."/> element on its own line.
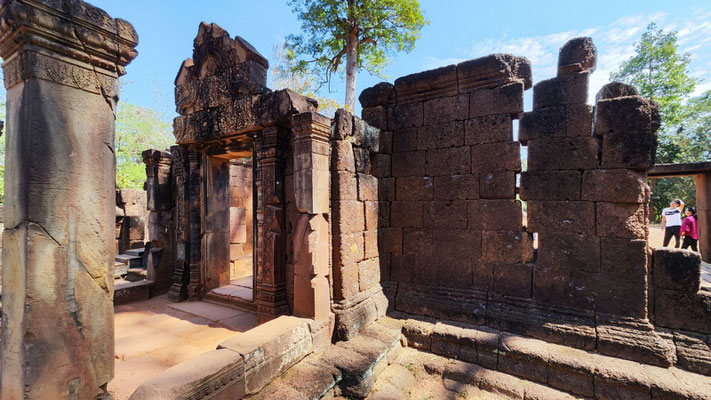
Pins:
<point x="615" y="44"/>
<point x="434" y="62"/>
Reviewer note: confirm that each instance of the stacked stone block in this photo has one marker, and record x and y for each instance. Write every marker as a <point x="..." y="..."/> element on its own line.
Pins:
<point x="131" y="219"/>
<point x="241" y="226"/>
<point x="454" y="218"/>
<point x="677" y="301"/>
<point x="586" y="188"/>
<point x="357" y="212"/>
<point x="160" y="248"/>
<point x="309" y="216"/>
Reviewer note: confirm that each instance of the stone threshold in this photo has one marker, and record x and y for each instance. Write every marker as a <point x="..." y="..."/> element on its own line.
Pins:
<point x="562" y="368"/>
<point x="241" y="365"/>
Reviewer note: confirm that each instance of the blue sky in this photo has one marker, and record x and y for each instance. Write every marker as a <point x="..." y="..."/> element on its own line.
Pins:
<point x="459" y="30"/>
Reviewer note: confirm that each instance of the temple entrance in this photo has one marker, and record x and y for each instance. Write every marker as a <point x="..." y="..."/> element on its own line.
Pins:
<point x="229" y="238"/>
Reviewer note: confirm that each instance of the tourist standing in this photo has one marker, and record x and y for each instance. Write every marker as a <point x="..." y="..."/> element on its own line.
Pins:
<point x="671" y="222"/>
<point x="690" y="230"/>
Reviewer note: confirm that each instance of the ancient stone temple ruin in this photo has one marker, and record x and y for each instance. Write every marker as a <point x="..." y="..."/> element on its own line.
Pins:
<point x="410" y="240"/>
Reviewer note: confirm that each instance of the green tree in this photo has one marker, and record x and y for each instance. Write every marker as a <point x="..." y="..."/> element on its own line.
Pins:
<point x="364" y="32"/>
<point x="286" y="75"/>
<point x="137" y="129"/>
<point x="660" y="72"/>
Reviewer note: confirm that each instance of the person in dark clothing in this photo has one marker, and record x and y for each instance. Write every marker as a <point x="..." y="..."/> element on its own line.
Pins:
<point x="690" y="230"/>
<point x="671" y="222"/>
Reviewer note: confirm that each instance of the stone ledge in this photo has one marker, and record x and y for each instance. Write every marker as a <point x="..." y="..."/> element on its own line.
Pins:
<point x="129" y="292"/>
<point x="217" y="374"/>
<point x="270" y="349"/>
<point x="561" y="367"/>
<point x="348" y="368"/>
<point x="240" y="366"/>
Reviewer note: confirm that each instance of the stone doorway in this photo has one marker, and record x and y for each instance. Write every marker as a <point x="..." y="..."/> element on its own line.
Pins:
<point x="230" y="226"/>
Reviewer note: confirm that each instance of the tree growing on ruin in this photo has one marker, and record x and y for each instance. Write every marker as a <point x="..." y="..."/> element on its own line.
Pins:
<point x="363" y="33"/>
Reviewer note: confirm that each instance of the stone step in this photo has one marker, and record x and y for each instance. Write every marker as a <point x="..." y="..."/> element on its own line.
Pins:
<point x="131" y="261"/>
<point x="563" y="368"/>
<point x="230" y="301"/>
<point x="348" y="368"/>
<point x="128" y="292"/>
<point x="120" y="269"/>
<point x="419" y="375"/>
<point x="136" y="252"/>
<point x="136" y="274"/>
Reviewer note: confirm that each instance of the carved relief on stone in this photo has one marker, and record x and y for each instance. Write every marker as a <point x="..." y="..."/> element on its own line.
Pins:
<point x="215" y="89"/>
<point x="74" y="29"/>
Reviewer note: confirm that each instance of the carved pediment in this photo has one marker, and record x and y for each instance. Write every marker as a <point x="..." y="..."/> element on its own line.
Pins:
<point x="218" y="59"/>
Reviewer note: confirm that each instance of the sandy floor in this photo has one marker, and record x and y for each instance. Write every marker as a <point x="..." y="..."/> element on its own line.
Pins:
<point x="153" y="335"/>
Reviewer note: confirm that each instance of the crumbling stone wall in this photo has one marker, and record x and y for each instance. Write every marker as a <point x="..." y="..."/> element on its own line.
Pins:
<point x="587" y="193"/>
<point x="447" y="168"/>
<point x="357" y="214"/>
<point x="453" y="242"/>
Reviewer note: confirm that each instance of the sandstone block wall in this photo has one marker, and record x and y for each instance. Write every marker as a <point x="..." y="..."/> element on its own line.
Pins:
<point x="447" y="169"/>
<point x="241" y="227"/>
<point x="358" y="214"/>
<point x="453" y="242"/>
<point x="587" y="194"/>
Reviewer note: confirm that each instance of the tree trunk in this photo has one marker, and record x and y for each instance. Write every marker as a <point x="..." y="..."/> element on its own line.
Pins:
<point x="351" y="70"/>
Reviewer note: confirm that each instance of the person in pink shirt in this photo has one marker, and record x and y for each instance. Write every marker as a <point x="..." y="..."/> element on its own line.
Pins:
<point x="690" y="230"/>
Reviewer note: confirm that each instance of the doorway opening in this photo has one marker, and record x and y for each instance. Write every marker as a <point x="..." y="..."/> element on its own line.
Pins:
<point x="229" y="238"/>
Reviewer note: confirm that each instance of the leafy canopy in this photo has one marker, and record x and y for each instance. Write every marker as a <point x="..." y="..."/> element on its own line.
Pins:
<point x="659" y="72"/>
<point x="137" y="129"/>
<point x="380" y="28"/>
<point x="285" y="75"/>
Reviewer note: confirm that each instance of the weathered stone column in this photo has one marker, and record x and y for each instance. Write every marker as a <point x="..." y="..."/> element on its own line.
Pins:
<point x="61" y="69"/>
<point x="160" y="247"/>
<point x="311" y="234"/>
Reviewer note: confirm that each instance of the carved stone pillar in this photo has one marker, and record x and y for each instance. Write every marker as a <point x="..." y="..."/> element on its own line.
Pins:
<point x="271" y="248"/>
<point x="61" y="66"/>
<point x="311" y="234"/>
<point x="194" y="222"/>
<point x="181" y="276"/>
<point x="158" y="188"/>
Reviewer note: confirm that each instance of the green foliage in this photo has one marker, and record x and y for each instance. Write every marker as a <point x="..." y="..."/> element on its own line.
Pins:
<point x="660" y="73"/>
<point x="694" y="132"/>
<point x="378" y="29"/>
<point x="137" y="129"/>
<point x="286" y="75"/>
